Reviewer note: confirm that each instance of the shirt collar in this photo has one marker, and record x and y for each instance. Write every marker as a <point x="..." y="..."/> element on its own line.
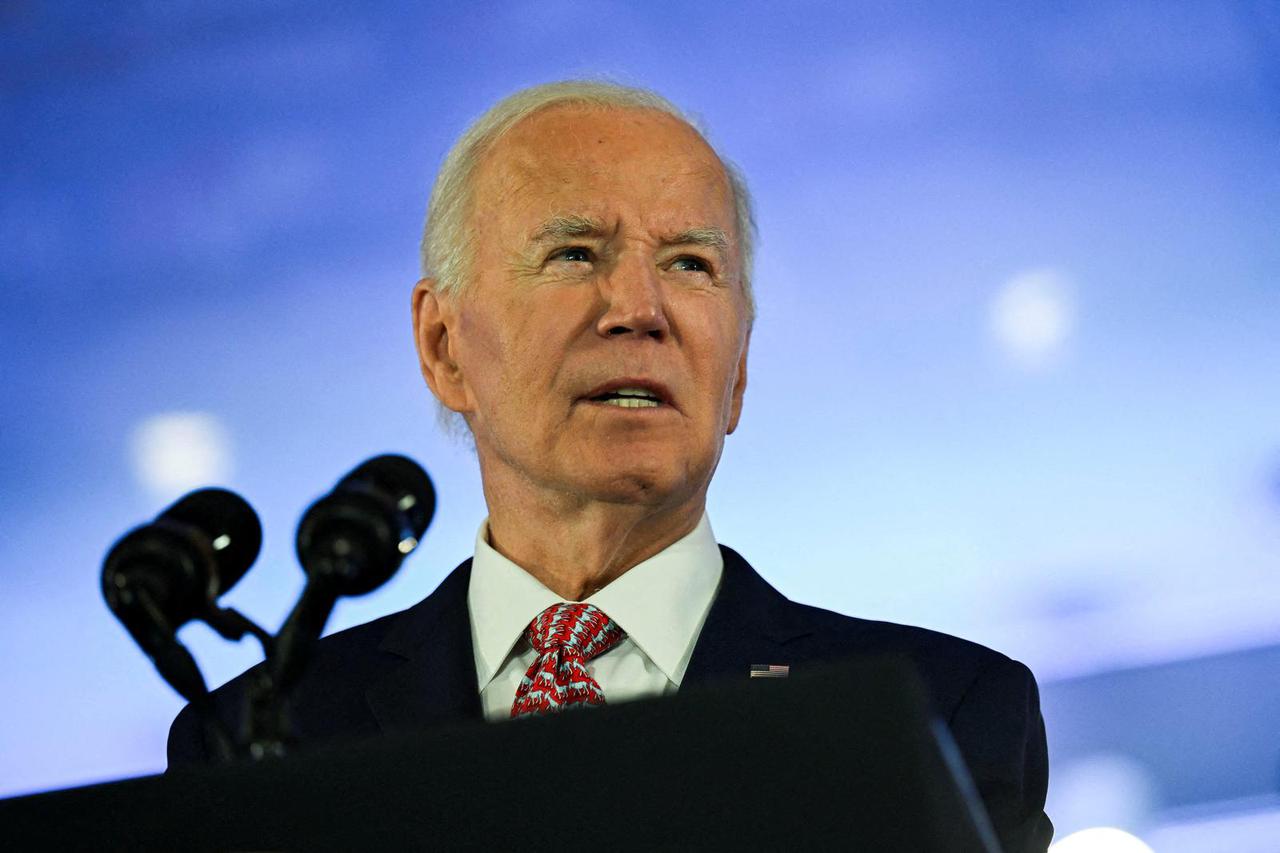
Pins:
<point x="661" y="603"/>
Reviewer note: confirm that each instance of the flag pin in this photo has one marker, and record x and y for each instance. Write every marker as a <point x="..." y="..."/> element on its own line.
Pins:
<point x="769" y="670"/>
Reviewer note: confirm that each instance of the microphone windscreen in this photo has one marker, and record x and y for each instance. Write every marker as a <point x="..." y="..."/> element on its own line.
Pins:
<point x="160" y="576"/>
<point x="354" y="538"/>
<point x="229" y="527"/>
<point x="401" y="480"/>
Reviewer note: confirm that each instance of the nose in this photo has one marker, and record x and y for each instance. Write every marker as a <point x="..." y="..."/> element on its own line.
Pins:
<point x="633" y="302"/>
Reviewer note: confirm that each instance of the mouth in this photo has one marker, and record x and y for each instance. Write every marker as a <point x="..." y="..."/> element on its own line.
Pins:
<point x="630" y="394"/>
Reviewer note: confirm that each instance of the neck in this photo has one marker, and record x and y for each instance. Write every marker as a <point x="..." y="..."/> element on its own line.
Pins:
<point x="576" y="547"/>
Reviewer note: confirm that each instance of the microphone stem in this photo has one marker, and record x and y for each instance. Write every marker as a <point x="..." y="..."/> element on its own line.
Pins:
<point x="174" y="663"/>
<point x="268" y="725"/>
<point x="294" y="643"/>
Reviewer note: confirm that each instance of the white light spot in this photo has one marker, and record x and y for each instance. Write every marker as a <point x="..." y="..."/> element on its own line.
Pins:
<point x="1032" y="317"/>
<point x="1100" y="839"/>
<point x="407" y="545"/>
<point x="221" y="542"/>
<point x="175" y="452"/>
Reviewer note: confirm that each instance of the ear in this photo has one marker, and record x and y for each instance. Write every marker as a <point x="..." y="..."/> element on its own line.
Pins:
<point x="433" y="317"/>
<point x="739" y="387"/>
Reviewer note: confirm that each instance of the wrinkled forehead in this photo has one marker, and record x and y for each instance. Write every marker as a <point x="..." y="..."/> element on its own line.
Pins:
<point x="610" y="163"/>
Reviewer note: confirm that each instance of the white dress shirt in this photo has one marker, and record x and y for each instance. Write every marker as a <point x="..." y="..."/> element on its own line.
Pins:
<point x="660" y="604"/>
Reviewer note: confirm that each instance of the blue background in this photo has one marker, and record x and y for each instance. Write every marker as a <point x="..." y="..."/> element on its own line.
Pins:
<point x="213" y="209"/>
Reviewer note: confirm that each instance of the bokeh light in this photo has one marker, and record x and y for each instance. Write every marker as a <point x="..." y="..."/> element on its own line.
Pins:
<point x="1100" y="839"/>
<point x="174" y="452"/>
<point x="1032" y="317"/>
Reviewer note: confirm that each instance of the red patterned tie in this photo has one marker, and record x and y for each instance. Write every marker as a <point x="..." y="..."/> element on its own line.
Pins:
<point x="565" y="636"/>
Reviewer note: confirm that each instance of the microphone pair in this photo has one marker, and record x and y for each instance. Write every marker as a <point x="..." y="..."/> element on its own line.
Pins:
<point x="171" y="571"/>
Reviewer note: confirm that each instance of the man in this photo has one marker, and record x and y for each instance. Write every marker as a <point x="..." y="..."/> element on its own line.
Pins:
<point x="587" y="312"/>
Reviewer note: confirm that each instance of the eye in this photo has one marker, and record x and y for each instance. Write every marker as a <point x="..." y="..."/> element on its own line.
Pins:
<point x="689" y="263"/>
<point x="571" y="254"/>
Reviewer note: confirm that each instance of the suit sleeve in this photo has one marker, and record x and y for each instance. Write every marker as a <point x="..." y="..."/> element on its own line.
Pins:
<point x="999" y="729"/>
<point x="186" y="740"/>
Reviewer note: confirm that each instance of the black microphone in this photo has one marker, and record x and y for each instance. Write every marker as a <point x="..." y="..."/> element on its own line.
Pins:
<point x="161" y="575"/>
<point x="354" y="538"/>
<point x="350" y="542"/>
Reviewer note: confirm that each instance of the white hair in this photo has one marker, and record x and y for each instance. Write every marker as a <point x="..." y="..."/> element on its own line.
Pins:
<point x="447" y="241"/>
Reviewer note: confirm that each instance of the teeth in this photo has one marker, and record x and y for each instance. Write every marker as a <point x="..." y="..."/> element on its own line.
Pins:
<point x="632" y="403"/>
<point x="633" y="392"/>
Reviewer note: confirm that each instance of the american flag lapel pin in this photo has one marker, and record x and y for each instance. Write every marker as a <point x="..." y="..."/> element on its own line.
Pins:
<point x="769" y="670"/>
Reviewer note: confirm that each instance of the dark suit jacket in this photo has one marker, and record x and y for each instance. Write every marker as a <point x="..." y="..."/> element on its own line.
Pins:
<point x="416" y="667"/>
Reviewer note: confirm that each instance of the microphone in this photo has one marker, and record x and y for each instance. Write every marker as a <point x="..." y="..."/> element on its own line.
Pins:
<point x="354" y="538"/>
<point x="161" y="575"/>
<point x="350" y="542"/>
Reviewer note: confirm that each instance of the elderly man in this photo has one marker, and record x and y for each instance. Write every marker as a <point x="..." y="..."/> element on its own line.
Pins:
<point x="586" y="313"/>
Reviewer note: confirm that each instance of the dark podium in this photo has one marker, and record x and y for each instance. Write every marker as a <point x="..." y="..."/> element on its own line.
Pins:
<point x="842" y="758"/>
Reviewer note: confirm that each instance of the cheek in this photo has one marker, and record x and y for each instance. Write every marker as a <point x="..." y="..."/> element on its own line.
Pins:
<point x="717" y="352"/>
<point x="484" y="354"/>
<point x="510" y="356"/>
<point x="725" y="371"/>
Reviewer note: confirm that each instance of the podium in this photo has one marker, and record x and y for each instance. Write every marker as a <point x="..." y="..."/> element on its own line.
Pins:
<point x="841" y="758"/>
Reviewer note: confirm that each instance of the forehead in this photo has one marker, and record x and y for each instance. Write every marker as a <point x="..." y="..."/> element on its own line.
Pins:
<point x="642" y="166"/>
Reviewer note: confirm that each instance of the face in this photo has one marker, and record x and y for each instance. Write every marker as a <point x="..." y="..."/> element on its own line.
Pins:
<point x="600" y="347"/>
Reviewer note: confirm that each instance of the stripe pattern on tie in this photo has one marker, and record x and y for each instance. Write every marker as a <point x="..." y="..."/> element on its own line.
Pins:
<point x="565" y="636"/>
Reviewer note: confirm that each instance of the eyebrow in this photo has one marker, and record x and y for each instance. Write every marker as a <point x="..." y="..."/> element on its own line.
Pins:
<point x="713" y="238"/>
<point x="567" y="225"/>
<point x="574" y="225"/>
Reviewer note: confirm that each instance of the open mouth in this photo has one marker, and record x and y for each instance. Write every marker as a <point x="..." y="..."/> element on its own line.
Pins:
<point x="628" y="398"/>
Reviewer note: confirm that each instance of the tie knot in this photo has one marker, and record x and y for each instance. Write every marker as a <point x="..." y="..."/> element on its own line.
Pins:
<point x="577" y="629"/>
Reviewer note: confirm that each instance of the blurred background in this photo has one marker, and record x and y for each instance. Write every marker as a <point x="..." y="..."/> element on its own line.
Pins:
<point x="1016" y="374"/>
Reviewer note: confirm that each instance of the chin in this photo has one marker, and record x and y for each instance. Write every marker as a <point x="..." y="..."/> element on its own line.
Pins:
<point x="641" y="485"/>
<point x="662" y="481"/>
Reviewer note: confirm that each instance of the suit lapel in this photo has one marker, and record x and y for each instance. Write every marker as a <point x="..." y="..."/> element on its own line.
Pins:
<point x="436" y="678"/>
<point x="749" y="623"/>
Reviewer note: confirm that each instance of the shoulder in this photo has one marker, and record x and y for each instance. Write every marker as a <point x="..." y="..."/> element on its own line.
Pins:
<point x="343" y="658"/>
<point x="989" y="701"/>
<point x="349" y="659"/>
<point x="341" y="666"/>
<point x="949" y="666"/>
<point x="331" y="698"/>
